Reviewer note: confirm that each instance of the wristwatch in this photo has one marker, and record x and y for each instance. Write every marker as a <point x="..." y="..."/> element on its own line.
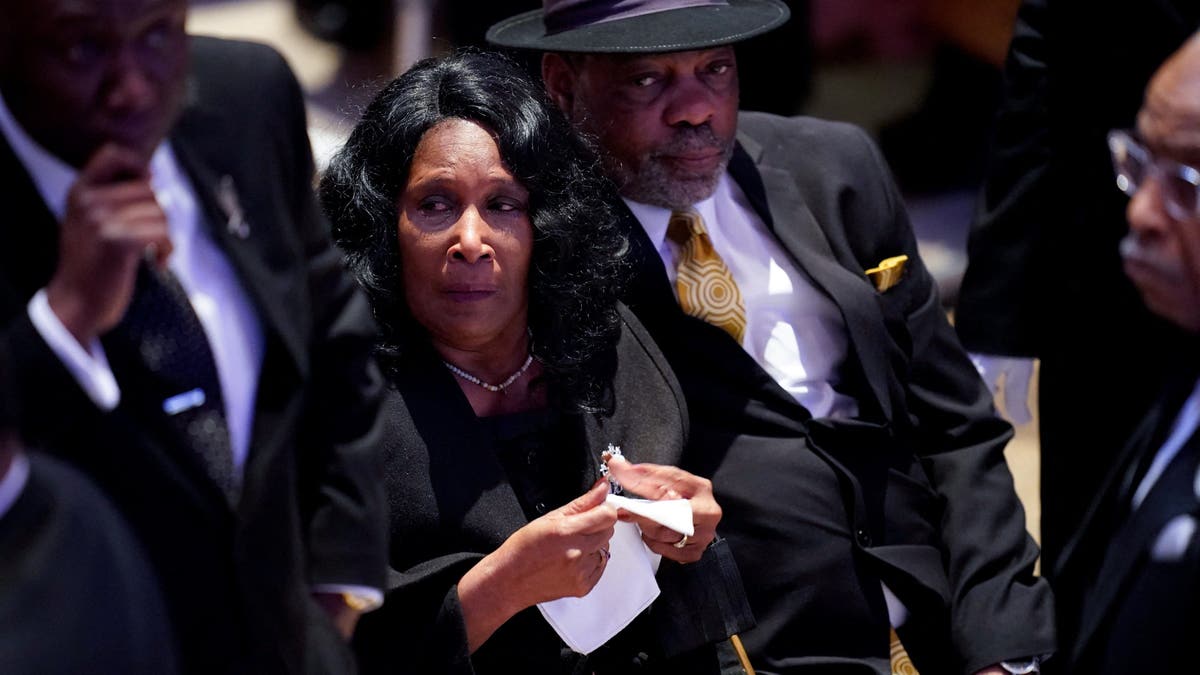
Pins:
<point x="1032" y="664"/>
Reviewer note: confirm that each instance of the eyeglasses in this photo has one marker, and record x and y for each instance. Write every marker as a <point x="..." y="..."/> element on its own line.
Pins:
<point x="1134" y="163"/>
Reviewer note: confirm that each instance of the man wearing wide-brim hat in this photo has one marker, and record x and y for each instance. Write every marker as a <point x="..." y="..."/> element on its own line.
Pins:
<point x="850" y="441"/>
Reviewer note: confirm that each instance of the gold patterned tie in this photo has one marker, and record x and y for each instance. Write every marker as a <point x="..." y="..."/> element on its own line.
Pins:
<point x="705" y="285"/>
<point x="901" y="664"/>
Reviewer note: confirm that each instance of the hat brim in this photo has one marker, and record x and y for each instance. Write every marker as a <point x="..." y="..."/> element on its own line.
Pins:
<point x="673" y="30"/>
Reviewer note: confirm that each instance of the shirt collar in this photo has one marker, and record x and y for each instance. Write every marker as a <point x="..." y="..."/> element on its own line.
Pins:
<point x="54" y="177"/>
<point x="654" y="219"/>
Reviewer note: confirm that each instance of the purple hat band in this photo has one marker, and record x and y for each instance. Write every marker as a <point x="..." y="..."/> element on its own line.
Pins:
<point x="564" y="15"/>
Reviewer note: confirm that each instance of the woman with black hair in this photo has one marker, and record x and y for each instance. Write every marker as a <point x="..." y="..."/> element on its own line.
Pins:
<point x="476" y="220"/>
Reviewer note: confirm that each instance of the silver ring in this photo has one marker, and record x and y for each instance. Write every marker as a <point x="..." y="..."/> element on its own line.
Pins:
<point x="682" y="542"/>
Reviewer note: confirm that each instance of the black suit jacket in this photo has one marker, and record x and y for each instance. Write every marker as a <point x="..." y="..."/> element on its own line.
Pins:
<point x="311" y="511"/>
<point x="1124" y="606"/>
<point x="1045" y="277"/>
<point x="816" y="512"/>
<point x="77" y="595"/>
<point x="452" y="503"/>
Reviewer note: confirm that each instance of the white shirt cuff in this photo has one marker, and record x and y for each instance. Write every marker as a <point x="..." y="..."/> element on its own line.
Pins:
<point x="371" y="597"/>
<point x="88" y="366"/>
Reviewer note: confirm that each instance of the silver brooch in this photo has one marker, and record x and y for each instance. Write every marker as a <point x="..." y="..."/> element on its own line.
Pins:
<point x="227" y="197"/>
<point x="613" y="451"/>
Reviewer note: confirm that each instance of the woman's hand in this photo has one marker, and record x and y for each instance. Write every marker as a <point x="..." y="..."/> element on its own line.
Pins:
<point x="655" y="481"/>
<point x="562" y="554"/>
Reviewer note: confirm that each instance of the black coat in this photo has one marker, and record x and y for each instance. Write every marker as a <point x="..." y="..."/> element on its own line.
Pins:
<point x="311" y="511"/>
<point x="817" y="512"/>
<point x="452" y="503"/>
<point x="77" y="596"/>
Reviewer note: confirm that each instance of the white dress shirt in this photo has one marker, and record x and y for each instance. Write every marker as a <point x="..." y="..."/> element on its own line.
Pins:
<point x="793" y="330"/>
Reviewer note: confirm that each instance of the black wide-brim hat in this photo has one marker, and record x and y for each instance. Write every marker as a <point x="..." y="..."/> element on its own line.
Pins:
<point x="637" y="26"/>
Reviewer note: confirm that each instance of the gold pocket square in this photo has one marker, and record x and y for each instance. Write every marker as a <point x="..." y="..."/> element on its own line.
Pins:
<point x="888" y="273"/>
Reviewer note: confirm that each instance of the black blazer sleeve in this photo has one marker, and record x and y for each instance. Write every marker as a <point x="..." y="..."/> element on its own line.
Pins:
<point x="934" y="399"/>
<point x="254" y="128"/>
<point x="998" y="609"/>
<point x="343" y="425"/>
<point x="1002" y="300"/>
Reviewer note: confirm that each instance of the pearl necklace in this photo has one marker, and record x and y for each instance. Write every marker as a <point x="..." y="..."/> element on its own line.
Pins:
<point x="487" y="385"/>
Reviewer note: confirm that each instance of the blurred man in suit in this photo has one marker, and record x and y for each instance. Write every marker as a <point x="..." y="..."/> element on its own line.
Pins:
<point x="1044" y="279"/>
<point x="850" y="442"/>
<point x="77" y="596"/>
<point x="182" y="327"/>
<point x="1130" y="577"/>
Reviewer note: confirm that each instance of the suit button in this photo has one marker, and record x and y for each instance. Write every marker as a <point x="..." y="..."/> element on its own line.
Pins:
<point x="863" y="538"/>
<point x="540" y="507"/>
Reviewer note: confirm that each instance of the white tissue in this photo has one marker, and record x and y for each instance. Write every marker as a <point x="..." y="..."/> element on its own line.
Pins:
<point x="673" y="513"/>
<point x="627" y="586"/>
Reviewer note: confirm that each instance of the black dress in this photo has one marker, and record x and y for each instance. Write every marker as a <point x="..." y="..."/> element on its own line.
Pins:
<point x="460" y="485"/>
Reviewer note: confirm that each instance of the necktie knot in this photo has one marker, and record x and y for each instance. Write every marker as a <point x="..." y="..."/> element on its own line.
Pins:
<point x="684" y="225"/>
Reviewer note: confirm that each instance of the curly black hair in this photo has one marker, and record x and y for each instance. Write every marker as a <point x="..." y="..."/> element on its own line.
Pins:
<point x="579" y="250"/>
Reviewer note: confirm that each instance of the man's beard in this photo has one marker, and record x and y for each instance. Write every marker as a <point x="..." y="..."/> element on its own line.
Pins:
<point x="657" y="182"/>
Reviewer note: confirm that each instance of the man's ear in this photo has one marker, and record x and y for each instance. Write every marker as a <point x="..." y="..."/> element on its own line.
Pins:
<point x="559" y="78"/>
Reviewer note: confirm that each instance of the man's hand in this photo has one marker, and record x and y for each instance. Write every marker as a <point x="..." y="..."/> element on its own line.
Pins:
<point x="654" y="481"/>
<point x="343" y="616"/>
<point x="112" y="222"/>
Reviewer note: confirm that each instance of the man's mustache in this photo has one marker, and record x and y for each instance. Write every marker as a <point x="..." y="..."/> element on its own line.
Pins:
<point x="1133" y="249"/>
<point x="692" y="139"/>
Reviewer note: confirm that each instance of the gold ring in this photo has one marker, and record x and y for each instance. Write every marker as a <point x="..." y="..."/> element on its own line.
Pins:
<point x="682" y="542"/>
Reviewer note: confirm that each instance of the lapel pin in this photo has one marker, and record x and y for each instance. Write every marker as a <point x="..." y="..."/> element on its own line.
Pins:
<point x="227" y="197"/>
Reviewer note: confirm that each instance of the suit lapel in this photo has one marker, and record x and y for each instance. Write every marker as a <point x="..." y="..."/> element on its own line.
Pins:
<point x="649" y="291"/>
<point x="692" y="343"/>
<point x="1148" y="437"/>
<point x="599" y="432"/>
<point x="775" y="197"/>
<point x="28" y="232"/>
<point x="1126" y="548"/>
<point x="216" y="191"/>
